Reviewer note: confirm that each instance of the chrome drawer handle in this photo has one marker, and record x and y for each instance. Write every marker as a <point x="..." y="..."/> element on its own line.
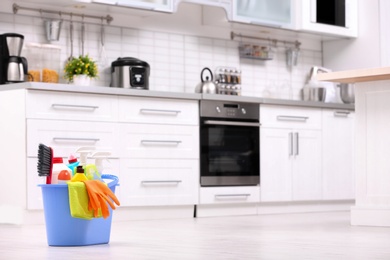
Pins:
<point x="74" y="106"/>
<point x="159" y="111"/>
<point x="292" y="118"/>
<point x="161" y="182"/>
<point x="231" y="195"/>
<point x="296" y="143"/>
<point x="291" y="144"/>
<point x="75" y="139"/>
<point x="341" y="113"/>
<point x="165" y="142"/>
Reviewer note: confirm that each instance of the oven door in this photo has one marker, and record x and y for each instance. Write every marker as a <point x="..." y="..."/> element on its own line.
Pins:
<point x="229" y="153"/>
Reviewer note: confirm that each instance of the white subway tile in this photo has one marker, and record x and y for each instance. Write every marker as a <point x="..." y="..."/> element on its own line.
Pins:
<point x="161" y="36"/>
<point x="132" y="33"/>
<point x="146" y="34"/>
<point x="161" y="43"/>
<point x="146" y="41"/>
<point x="176" y="38"/>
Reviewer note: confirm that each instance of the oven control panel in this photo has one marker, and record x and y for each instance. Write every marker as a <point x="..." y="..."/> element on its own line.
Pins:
<point x="229" y="109"/>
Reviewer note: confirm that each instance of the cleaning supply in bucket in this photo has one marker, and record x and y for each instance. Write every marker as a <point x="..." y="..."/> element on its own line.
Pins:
<point x="99" y="196"/>
<point x="99" y="156"/>
<point x="73" y="163"/>
<point x="58" y="166"/>
<point x="84" y="151"/>
<point x="64" y="230"/>
<point x="91" y="172"/>
<point x="78" y="201"/>
<point x="45" y="162"/>
<point x="64" y="176"/>
<point x="79" y="176"/>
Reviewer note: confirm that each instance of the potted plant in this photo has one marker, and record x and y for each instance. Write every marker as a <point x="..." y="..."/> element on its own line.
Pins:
<point x="80" y="70"/>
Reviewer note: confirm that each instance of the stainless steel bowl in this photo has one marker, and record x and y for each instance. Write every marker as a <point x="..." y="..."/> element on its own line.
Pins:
<point x="347" y="92"/>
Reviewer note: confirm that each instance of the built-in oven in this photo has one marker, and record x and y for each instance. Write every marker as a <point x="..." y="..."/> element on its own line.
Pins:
<point x="229" y="143"/>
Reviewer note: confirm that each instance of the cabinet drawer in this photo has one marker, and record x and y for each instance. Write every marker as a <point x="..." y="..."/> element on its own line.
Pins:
<point x="290" y="117"/>
<point x="71" y="106"/>
<point x="158" y="111"/>
<point x="159" y="141"/>
<point x="228" y="195"/>
<point x="159" y="182"/>
<point x="65" y="137"/>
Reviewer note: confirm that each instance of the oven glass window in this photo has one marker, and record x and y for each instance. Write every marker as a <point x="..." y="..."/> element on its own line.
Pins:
<point x="229" y="150"/>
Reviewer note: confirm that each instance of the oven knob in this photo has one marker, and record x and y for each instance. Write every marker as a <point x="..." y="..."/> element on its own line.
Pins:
<point x="218" y="109"/>
<point x="243" y="111"/>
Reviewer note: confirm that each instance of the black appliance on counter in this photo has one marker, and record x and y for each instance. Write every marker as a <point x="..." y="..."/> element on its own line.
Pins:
<point x="13" y="67"/>
<point x="130" y="73"/>
<point x="229" y="143"/>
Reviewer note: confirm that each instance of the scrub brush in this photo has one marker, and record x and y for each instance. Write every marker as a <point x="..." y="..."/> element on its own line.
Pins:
<point x="45" y="162"/>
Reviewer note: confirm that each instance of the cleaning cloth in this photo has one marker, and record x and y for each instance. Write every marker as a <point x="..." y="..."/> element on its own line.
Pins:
<point x="78" y="201"/>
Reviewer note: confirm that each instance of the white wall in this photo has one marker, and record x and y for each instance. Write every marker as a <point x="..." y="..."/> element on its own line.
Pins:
<point x="177" y="47"/>
<point x="362" y="52"/>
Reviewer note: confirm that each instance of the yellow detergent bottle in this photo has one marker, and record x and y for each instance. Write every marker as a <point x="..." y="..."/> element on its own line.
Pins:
<point x="79" y="176"/>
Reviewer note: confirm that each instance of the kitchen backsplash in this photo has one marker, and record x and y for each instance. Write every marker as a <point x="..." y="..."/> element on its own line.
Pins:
<point x="176" y="60"/>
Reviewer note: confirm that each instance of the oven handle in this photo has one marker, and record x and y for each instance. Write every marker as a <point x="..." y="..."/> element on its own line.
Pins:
<point x="216" y="122"/>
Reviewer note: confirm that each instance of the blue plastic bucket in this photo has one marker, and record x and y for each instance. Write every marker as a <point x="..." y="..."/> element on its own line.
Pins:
<point x="64" y="230"/>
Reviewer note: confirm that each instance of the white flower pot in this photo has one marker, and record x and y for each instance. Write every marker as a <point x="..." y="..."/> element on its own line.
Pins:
<point x="81" y="80"/>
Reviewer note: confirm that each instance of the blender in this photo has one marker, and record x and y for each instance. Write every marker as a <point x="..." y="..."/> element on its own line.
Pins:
<point x="13" y="67"/>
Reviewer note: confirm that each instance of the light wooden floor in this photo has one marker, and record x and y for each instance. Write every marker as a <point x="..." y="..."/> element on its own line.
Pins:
<point x="285" y="236"/>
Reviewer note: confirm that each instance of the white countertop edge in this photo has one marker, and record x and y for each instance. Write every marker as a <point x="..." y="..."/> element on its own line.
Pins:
<point x="167" y="94"/>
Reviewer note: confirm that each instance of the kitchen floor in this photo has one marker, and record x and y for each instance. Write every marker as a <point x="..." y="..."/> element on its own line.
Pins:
<point x="284" y="236"/>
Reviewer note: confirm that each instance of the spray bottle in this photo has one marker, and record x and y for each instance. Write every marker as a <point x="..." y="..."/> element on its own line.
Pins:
<point x="84" y="151"/>
<point x="99" y="157"/>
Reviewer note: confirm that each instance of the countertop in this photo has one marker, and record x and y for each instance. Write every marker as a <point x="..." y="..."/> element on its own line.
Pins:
<point x="353" y="76"/>
<point x="174" y="95"/>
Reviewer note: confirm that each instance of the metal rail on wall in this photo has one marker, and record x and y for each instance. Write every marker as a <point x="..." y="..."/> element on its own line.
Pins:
<point x="107" y="18"/>
<point x="297" y="44"/>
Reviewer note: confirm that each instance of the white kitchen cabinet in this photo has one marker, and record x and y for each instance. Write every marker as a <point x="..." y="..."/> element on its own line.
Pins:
<point x="68" y="106"/>
<point x="162" y="141"/>
<point x="66" y="121"/>
<point x="160" y="151"/>
<point x="65" y="137"/>
<point x="159" y="182"/>
<point x="274" y="13"/>
<point x="229" y="195"/>
<point x="154" y="5"/>
<point x="306" y="16"/>
<point x="158" y="111"/>
<point x="290" y="168"/>
<point x="338" y="151"/>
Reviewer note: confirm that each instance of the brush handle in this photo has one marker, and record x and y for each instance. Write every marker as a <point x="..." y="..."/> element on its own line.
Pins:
<point x="48" y="178"/>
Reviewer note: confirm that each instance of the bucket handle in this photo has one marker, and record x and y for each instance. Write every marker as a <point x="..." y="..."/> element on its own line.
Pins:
<point x="114" y="179"/>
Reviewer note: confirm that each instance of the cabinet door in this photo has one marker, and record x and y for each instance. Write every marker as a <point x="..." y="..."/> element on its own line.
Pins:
<point x="307" y="15"/>
<point x="306" y="174"/>
<point x="275" y="13"/>
<point x="276" y="154"/>
<point x="338" y="155"/>
<point x="146" y="182"/>
<point x="65" y="137"/>
<point x="229" y="195"/>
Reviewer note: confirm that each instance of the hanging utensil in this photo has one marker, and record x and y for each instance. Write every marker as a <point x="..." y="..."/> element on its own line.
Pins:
<point x="82" y="37"/>
<point x="102" y="54"/>
<point x="71" y="39"/>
